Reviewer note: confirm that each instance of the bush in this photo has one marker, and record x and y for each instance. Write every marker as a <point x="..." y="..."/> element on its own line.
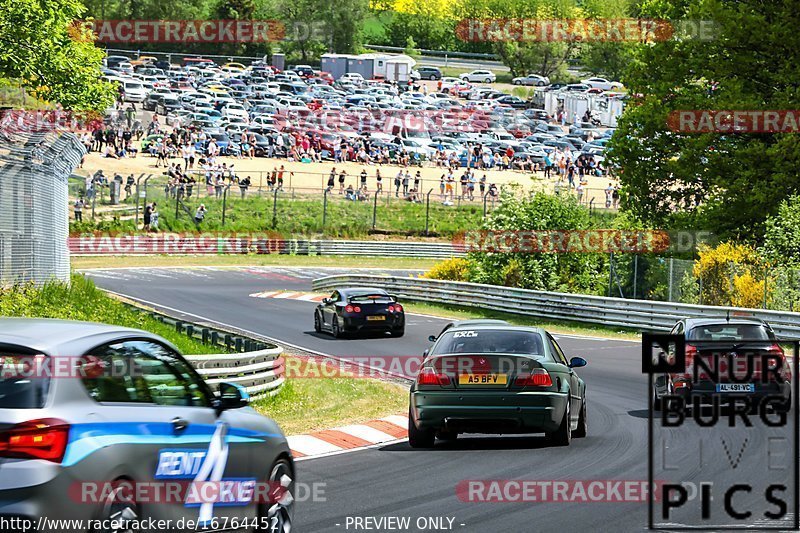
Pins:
<point x="455" y="269"/>
<point x="563" y="272"/>
<point x="731" y="275"/>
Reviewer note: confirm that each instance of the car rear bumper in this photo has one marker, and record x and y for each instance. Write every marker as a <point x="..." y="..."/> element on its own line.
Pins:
<point x="362" y="324"/>
<point x="488" y="411"/>
<point x="705" y="392"/>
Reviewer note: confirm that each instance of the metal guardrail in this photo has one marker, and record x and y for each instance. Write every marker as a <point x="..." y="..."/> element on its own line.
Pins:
<point x="208" y="244"/>
<point x="255" y="365"/>
<point x="260" y="372"/>
<point x="637" y="314"/>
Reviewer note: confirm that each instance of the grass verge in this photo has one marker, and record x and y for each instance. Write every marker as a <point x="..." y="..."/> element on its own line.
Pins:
<point x="306" y="405"/>
<point x="252" y="260"/>
<point x="82" y="300"/>
<point x="554" y="326"/>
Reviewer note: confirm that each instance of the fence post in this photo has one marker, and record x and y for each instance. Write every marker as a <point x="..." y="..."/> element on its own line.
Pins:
<point x="136" y="212"/>
<point x="275" y="209"/>
<point x="325" y="207"/>
<point x="485" y="198"/>
<point x="427" y="209"/>
<point x="375" y="210"/>
<point x="177" y="205"/>
<point x="635" y="273"/>
<point x="225" y="202"/>
<point x="671" y="264"/>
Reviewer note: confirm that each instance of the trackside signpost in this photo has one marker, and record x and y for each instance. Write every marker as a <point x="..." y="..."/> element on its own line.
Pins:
<point x="723" y="442"/>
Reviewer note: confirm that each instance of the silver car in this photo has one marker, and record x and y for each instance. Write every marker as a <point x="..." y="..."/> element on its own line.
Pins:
<point x="94" y="419"/>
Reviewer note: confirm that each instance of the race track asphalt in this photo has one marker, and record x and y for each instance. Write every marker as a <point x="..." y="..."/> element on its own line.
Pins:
<point x="396" y="481"/>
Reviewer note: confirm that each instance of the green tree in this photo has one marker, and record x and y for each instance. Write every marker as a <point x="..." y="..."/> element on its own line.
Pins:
<point x="727" y="183"/>
<point x="565" y="272"/>
<point x="46" y="53"/>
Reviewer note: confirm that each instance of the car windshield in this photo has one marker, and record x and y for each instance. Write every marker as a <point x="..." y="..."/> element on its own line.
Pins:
<point x="489" y="341"/>
<point x="730" y="332"/>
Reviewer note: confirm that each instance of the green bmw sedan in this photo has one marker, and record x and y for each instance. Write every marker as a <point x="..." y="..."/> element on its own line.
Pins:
<point x="501" y="379"/>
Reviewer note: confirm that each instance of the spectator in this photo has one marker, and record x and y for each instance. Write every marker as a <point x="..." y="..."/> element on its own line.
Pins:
<point x="609" y="194"/>
<point x="154" y="218"/>
<point x="78" y="208"/>
<point x="379" y="181"/>
<point x="200" y="214"/>
<point x="331" y="179"/>
<point x="342" y="177"/>
<point x="615" y="197"/>
<point x="148" y="210"/>
<point x="243" y="185"/>
<point x="397" y="182"/>
<point x="350" y="193"/>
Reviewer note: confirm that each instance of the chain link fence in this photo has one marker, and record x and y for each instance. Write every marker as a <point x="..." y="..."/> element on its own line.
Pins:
<point x="650" y="277"/>
<point x="33" y="200"/>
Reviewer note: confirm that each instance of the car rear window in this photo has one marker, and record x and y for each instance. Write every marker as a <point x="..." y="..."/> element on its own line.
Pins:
<point x="730" y="332"/>
<point x="489" y="341"/>
<point x="19" y="388"/>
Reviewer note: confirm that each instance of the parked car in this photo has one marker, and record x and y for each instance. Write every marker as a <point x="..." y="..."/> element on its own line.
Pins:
<point x="602" y="83"/>
<point x="429" y="73"/>
<point x="532" y="79"/>
<point x="479" y="76"/>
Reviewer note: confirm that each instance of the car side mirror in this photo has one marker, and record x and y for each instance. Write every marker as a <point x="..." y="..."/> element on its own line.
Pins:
<point x="577" y="362"/>
<point x="232" y="396"/>
<point x="432" y="338"/>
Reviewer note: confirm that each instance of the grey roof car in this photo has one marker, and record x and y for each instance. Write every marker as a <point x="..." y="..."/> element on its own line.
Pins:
<point x="91" y="414"/>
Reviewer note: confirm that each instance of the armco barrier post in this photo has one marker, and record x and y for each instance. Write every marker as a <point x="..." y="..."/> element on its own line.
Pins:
<point x="214" y="338"/>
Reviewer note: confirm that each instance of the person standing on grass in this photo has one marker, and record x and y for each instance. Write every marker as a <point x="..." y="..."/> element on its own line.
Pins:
<point x="397" y="182"/>
<point x="78" y="208"/>
<point x="417" y="179"/>
<point x="331" y="179"/>
<point x="200" y="214"/>
<point x="148" y="210"/>
<point x="363" y="179"/>
<point x="280" y="177"/>
<point x="615" y="197"/>
<point x="243" y="185"/>
<point x="379" y="180"/>
<point x="406" y="179"/>
<point x="342" y="177"/>
<point x="153" y="218"/>
<point x="441" y="187"/>
<point x="609" y="193"/>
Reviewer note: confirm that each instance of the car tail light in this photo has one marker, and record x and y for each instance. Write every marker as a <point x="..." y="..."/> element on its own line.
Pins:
<point x="391" y="309"/>
<point x="430" y="376"/>
<point x="786" y="371"/>
<point x="398" y="308"/>
<point x="45" y="438"/>
<point x="539" y="377"/>
<point x="352" y="309"/>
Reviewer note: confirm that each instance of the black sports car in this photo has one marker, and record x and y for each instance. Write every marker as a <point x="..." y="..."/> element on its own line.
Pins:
<point x="356" y="310"/>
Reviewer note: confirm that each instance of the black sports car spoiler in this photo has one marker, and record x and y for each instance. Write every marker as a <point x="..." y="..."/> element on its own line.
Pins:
<point x="371" y="297"/>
